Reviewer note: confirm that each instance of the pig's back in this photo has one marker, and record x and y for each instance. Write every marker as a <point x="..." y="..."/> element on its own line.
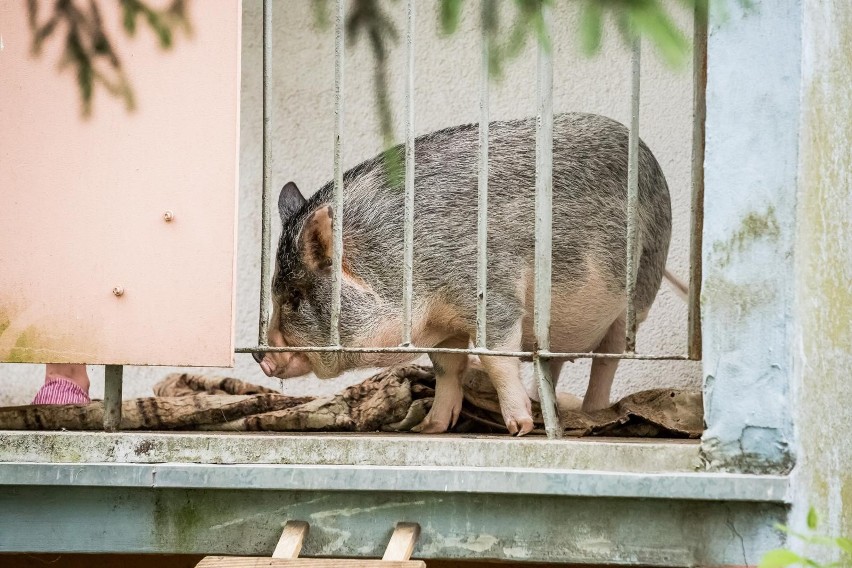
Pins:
<point x="589" y="213"/>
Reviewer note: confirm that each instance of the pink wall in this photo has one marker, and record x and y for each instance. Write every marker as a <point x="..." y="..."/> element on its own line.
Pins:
<point x="82" y="202"/>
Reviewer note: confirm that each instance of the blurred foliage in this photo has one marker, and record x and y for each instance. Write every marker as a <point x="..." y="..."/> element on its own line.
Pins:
<point x="647" y="19"/>
<point x="88" y="50"/>
<point x="783" y="557"/>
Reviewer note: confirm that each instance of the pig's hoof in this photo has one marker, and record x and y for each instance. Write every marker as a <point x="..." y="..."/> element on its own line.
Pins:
<point x="438" y="421"/>
<point x="431" y="427"/>
<point x="517" y="413"/>
<point x="445" y="410"/>
<point x="520" y="425"/>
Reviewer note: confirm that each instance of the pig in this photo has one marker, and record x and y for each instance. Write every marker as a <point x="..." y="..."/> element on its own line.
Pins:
<point x="589" y="297"/>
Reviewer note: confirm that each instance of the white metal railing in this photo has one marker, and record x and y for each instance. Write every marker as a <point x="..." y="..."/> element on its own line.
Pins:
<point x="544" y="230"/>
<point x="543" y="214"/>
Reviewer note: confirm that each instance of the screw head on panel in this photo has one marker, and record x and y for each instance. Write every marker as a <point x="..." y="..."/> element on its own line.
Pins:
<point x="168" y="216"/>
<point x="118" y="291"/>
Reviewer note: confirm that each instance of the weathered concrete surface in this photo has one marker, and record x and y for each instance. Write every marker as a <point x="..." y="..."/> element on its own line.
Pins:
<point x="576" y="530"/>
<point x="749" y="223"/>
<point x="676" y="486"/>
<point x="341" y="449"/>
<point x="823" y="349"/>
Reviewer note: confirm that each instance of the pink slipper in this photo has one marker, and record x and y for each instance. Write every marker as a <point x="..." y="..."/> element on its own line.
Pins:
<point x="59" y="390"/>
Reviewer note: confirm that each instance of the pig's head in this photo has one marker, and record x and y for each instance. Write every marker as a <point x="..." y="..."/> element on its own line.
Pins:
<point x="302" y="294"/>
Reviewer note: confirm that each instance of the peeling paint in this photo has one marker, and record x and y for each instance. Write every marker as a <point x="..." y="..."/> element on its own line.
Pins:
<point x="476" y="544"/>
<point x="515" y="552"/>
<point x="335" y="513"/>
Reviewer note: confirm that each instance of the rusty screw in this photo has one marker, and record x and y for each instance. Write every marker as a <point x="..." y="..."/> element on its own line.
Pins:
<point x="168" y="216"/>
<point x="118" y="291"/>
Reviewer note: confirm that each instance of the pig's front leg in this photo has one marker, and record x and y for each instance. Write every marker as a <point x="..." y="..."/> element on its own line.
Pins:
<point x="505" y="375"/>
<point x="448" y="388"/>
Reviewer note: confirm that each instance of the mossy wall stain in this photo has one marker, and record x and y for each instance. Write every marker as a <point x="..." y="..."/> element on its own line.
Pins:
<point x="748" y="301"/>
<point x="736" y="299"/>
<point x="754" y="227"/>
<point x="824" y="271"/>
<point x="25" y="348"/>
<point x="26" y="336"/>
<point x="178" y="517"/>
<point x="5" y="321"/>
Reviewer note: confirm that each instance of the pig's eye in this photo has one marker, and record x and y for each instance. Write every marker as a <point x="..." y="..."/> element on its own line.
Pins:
<point x="295" y="299"/>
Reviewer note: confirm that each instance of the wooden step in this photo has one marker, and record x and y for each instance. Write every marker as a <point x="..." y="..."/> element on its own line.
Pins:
<point x="286" y="554"/>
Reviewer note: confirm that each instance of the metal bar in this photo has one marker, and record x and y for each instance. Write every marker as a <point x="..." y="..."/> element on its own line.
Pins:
<point x="266" y="197"/>
<point x="337" y="218"/>
<point x="482" y="204"/>
<point x="113" y="375"/>
<point x="704" y="486"/>
<point x="544" y="231"/>
<point x="476" y="351"/>
<point x="408" y="254"/>
<point x="699" y="114"/>
<point x="632" y="194"/>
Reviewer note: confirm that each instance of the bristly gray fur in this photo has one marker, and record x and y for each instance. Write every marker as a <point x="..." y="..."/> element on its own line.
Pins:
<point x="589" y="222"/>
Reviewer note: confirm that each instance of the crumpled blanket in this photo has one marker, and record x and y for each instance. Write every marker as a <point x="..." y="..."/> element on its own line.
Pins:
<point x="393" y="400"/>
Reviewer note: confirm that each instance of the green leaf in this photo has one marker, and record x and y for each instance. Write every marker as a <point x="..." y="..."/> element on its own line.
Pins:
<point x="591" y="26"/>
<point x="321" y="19"/>
<point x="845" y="544"/>
<point x="650" y="20"/>
<point x="450" y="15"/>
<point x="129" y="19"/>
<point x="164" y="34"/>
<point x="780" y="558"/>
<point x="812" y="519"/>
<point x="541" y="31"/>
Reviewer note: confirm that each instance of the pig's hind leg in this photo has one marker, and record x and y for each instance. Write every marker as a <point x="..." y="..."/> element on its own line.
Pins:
<point x="446" y="407"/>
<point x="603" y="370"/>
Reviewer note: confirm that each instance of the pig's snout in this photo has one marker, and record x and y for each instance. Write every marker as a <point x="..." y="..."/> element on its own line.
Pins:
<point x="283" y="365"/>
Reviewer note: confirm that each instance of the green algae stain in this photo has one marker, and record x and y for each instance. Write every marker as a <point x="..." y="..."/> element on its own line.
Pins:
<point x="754" y="227"/>
<point x="824" y="268"/>
<point x="179" y="518"/>
<point x="5" y="321"/>
<point x="24" y="350"/>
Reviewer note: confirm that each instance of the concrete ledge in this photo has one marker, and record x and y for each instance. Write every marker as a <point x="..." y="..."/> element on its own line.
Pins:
<point x="598" y="454"/>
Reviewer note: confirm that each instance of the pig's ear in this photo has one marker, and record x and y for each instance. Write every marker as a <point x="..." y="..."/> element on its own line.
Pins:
<point x="290" y="200"/>
<point x="317" y="240"/>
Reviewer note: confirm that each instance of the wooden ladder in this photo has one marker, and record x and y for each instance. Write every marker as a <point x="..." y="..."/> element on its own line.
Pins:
<point x="397" y="553"/>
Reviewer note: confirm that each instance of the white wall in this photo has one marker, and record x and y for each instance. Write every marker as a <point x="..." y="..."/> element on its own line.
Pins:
<point x="446" y="94"/>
